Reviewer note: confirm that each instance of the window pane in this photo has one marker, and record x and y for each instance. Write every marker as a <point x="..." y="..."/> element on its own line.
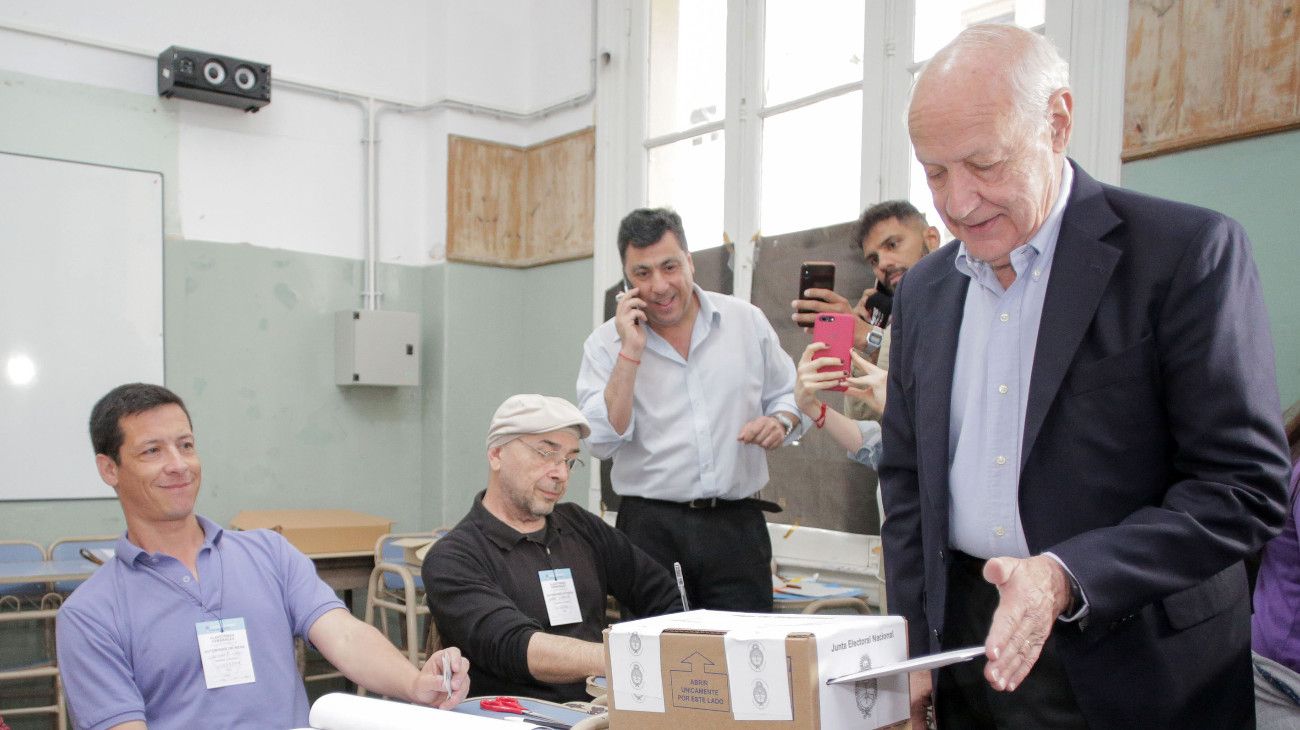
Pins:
<point x="687" y="177"/>
<point x="812" y="165"/>
<point x="939" y="21"/>
<point x="688" y="64"/>
<point x="811" y="46"/>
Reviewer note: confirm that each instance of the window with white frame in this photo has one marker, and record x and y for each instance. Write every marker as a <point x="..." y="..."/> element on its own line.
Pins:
<point x="769" y="116"/>
<point x="685" y="114"/>
<point x="807" y="124"/>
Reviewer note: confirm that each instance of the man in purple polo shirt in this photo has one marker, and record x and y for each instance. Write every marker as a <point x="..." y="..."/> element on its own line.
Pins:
<point x="192" y="626"/>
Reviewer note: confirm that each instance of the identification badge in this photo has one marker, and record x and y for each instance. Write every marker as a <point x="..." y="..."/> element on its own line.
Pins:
<point x="561" y="597"/>
<point x="223" y="647"/>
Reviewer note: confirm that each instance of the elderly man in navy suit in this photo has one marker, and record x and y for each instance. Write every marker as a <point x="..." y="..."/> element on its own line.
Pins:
<point x="1083" y="438"/>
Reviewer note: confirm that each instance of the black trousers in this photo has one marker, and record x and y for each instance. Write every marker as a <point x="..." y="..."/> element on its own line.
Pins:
<point x="724" y="549"/>
<point x="963" y="698"/>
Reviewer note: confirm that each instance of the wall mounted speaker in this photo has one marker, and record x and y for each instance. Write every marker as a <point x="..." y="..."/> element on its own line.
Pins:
<point x="185" y="73"/>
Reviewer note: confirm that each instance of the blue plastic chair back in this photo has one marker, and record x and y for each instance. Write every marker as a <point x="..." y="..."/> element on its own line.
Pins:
<point x="70" y="549"/>
<point x="395" y="554"/>
<point x="22" y="552"/>
<point x="390" y="553"/>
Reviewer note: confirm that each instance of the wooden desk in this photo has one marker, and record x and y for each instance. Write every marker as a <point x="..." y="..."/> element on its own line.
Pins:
<point x="45" y="571"/>
<point x="41" y="571"/>
<point x="345" y="571"/>
<point x="341" y="571"/>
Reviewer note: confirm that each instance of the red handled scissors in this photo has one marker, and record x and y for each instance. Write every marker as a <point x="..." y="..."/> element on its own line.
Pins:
<point x="511" y="706"/>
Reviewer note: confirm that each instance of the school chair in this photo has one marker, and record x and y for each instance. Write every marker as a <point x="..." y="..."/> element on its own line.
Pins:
<point x="27" y="605"/>
<point x="396" y="587"/>
<point x="26" y="594"/>
<point x="71" y="548"/>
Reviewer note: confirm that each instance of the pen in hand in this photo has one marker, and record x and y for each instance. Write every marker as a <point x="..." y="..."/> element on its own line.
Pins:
<point x="446" y="674"/>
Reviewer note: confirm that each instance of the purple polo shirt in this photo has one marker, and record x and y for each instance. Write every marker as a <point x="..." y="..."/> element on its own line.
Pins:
<point x="128" y="648"/>
<point x="1275" y="628"/>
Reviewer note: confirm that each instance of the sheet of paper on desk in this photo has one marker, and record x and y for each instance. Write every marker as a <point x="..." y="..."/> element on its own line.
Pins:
<point x="338" y="711"/>
<point x="814" y="589"/>
<point x="931" y="661"/>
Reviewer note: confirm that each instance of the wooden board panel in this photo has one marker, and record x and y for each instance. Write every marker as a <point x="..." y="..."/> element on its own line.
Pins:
<point x="519" y="207"/>
<point x="485" y="193"/>
<point x="1270" y="50"/>
<point x="1206" y="71"/>
<point x="814" y="481"/>
<point x="561" y="214"/>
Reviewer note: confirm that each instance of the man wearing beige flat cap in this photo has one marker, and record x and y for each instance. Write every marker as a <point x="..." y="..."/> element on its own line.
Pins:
<point x="520" y="583"/>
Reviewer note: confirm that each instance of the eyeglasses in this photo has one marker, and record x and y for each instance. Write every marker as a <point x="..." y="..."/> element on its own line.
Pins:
<point x="554" y="458"/>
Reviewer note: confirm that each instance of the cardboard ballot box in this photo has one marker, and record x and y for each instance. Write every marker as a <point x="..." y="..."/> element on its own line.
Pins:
<point x="720" y="669"/>
<point x="318" y="531"/>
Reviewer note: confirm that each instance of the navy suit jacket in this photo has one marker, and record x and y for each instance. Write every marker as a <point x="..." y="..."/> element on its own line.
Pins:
<point x="1153" y="459"/>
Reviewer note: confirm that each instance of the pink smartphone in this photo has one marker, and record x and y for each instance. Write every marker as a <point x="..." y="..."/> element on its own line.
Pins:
<point x="836" y="331"/>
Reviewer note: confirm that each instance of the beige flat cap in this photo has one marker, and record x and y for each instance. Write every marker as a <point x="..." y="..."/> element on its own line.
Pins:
<point x="533" y="413"/>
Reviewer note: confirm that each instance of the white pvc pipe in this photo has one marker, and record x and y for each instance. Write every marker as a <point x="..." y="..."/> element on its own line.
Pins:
<point x="370" y="296"/>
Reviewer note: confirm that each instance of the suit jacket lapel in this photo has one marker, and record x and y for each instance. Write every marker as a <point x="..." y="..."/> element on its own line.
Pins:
<point x="1081" y="268"/>
<point x="936" y="356"/>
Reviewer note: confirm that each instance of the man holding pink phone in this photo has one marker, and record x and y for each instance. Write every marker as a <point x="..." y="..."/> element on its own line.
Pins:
<point x="824" y="366"/>
<point x="688" y="390"/>
<point x="893" y="237"/>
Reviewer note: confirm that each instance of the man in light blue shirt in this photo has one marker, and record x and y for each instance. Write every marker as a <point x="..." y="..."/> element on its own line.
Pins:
<point x="990" y="389"/>
<point x="687" y="390"/>
<point x="191" y="626"/>
<point x="1082" y="442"/>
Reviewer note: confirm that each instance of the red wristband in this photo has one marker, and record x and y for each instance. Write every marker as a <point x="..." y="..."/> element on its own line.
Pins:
<point x="820" y="420"/>
<point x="631" y="360"/>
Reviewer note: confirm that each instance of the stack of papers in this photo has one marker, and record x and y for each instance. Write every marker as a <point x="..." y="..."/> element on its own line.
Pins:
<point x="807" y="588"/>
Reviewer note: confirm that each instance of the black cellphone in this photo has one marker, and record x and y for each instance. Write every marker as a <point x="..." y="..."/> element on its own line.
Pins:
<point x="883" y="303"/>
<point x="815" y="275"/>
<point x="626" y="286"/>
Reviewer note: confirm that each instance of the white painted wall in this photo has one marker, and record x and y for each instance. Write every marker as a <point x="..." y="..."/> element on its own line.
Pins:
<point x="292" y="175"/>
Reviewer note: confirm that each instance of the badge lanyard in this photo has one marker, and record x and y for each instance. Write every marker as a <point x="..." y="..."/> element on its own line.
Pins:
<point x="223" y="644"/>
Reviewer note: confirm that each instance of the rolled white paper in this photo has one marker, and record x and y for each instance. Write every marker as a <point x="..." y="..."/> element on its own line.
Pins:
<point x="338" y="711"/>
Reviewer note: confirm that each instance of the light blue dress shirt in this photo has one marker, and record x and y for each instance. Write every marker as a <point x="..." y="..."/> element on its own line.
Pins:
<point x="687" y="413"/>
<point x="868" y="454"/>
<point x="990" y="391"/>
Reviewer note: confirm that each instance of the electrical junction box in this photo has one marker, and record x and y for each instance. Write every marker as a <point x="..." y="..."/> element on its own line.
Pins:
<point x="376" y="347"/>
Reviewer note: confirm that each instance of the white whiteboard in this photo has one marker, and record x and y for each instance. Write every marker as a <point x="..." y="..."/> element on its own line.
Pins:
<point x="81" y="311"/>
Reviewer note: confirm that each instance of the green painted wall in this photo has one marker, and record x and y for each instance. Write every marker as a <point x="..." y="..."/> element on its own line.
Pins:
<point x="90" y="124"/>
<point x="249" y="344"/>
<point x="249" y="336"/>
<point x="507" y="331"/>
<point x="1255" y="181"/>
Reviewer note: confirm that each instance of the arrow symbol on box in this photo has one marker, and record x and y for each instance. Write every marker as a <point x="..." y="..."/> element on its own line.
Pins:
<point x="697" y="659"/>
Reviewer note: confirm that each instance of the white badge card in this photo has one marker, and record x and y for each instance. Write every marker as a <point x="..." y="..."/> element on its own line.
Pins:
<point x="223" y="647"/>
<point x="561" y="597"/>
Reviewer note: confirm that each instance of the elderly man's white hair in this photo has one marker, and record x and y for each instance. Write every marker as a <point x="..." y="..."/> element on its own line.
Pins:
<point x="1035" y="73"/>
